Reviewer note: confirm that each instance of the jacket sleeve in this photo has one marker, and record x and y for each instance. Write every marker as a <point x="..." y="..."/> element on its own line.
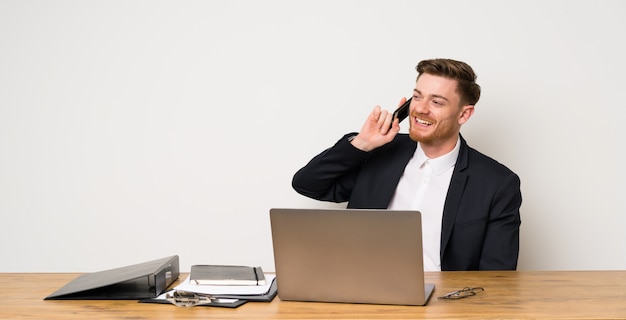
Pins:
<point x="331" y="175"/>
<point x="501" y="243"/>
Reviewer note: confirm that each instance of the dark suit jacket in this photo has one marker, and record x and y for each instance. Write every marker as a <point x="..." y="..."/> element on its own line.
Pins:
<point x="481" y="220"/>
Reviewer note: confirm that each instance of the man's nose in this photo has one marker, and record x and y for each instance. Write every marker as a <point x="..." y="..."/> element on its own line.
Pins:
<point x="420" y="106"/>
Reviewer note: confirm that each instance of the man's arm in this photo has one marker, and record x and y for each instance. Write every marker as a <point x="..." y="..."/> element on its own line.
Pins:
<point x="501" y="243"/>
<point x="331" y="175"/>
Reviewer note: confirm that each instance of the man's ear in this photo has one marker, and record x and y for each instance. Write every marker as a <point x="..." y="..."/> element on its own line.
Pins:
<point x="466" y="113"/>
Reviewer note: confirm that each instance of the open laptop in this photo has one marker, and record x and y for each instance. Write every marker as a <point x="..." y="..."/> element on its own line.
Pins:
<point x="350" y="256"/>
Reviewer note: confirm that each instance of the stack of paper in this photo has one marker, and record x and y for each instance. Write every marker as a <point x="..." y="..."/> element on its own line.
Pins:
<point x="223" y="295"/>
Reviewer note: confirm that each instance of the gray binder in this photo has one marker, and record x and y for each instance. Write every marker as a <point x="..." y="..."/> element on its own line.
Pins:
<point x="139" y="281"/>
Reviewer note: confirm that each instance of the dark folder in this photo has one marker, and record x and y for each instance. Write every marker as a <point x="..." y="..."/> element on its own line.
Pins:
<point x="240" y="298"/>
<point x="138" y="281"/>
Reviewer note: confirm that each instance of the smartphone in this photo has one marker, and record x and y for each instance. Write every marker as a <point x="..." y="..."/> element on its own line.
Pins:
<point x="402" y="112"/>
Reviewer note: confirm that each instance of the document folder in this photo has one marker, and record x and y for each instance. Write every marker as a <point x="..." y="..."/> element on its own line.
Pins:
<point x="221" y="299"/>
<point x="139" y="281"/>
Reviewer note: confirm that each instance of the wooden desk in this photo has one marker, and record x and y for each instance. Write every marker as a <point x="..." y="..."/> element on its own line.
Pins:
<point x="512" y="294"/>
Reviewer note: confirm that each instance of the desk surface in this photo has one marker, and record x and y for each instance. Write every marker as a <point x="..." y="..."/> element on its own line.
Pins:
<point x="508" y="294"/>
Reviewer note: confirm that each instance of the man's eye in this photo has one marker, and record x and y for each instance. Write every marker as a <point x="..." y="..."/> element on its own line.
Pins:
<point x="438" y="102"/>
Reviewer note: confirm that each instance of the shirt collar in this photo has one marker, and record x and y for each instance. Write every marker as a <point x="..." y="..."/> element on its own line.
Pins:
<point x="441" y="163"/>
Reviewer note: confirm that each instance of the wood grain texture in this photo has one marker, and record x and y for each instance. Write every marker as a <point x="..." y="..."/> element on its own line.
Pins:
<point x="508" y="294"/>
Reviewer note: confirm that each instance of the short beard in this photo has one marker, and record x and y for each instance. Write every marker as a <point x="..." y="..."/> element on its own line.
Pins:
<point x="439" y="135"/>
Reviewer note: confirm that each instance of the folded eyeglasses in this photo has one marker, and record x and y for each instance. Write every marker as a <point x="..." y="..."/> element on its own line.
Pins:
<point x="187" y="299"/>
<point x="463" y="293"/>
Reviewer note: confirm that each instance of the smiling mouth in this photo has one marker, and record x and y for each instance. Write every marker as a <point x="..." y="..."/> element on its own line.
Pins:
<point x="423" y="122"/>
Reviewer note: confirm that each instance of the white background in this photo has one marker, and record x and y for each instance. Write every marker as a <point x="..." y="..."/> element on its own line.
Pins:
<point x="135" y="130"/>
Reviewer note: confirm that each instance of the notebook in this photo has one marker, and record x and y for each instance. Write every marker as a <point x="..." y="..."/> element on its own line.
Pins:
<point x="349" y="256"/>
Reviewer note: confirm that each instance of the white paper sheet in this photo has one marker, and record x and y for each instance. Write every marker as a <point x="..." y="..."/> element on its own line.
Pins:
<point x="227" y="290"/>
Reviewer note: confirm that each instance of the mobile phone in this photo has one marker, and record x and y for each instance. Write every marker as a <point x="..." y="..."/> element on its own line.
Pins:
<point x="402" y="112"/>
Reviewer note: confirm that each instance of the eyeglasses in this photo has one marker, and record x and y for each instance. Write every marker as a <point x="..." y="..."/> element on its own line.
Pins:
<point x="187" y="299"/>
<point x="463" y="293"/>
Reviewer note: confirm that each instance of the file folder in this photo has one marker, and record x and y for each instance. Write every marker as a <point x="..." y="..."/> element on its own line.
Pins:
<point x="138" y="281"/>
<point x="220" y="299"/>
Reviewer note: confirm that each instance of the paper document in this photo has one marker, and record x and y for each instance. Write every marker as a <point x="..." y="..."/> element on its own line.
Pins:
<point x="227" y="290"/>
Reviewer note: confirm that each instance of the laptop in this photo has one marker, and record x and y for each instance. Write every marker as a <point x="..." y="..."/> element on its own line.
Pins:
<point x="349" y="256"/>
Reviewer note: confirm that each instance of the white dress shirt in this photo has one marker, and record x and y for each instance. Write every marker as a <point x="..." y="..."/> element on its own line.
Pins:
<point x="424" y="186"/>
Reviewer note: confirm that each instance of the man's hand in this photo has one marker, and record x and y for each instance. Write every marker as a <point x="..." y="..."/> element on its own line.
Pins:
<point x="376" y="130"/>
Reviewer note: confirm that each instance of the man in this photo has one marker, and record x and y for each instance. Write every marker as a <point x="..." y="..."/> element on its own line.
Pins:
<point x="469" y="202"/>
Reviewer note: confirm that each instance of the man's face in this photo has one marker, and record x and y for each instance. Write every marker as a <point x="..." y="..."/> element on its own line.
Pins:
<point x="436" y="114"/>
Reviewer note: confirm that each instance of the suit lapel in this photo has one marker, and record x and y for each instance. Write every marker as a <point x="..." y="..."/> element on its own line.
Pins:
<point x="390" y="171"/>
<point x="397" y="169"/>
<point x="455" y="193"/>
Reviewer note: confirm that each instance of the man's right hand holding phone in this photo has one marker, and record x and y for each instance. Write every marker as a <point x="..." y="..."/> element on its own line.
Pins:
<point x="377" y="130"/>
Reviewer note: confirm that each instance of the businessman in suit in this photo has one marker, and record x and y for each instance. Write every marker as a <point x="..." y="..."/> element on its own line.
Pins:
<point x="469" y="202"/>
